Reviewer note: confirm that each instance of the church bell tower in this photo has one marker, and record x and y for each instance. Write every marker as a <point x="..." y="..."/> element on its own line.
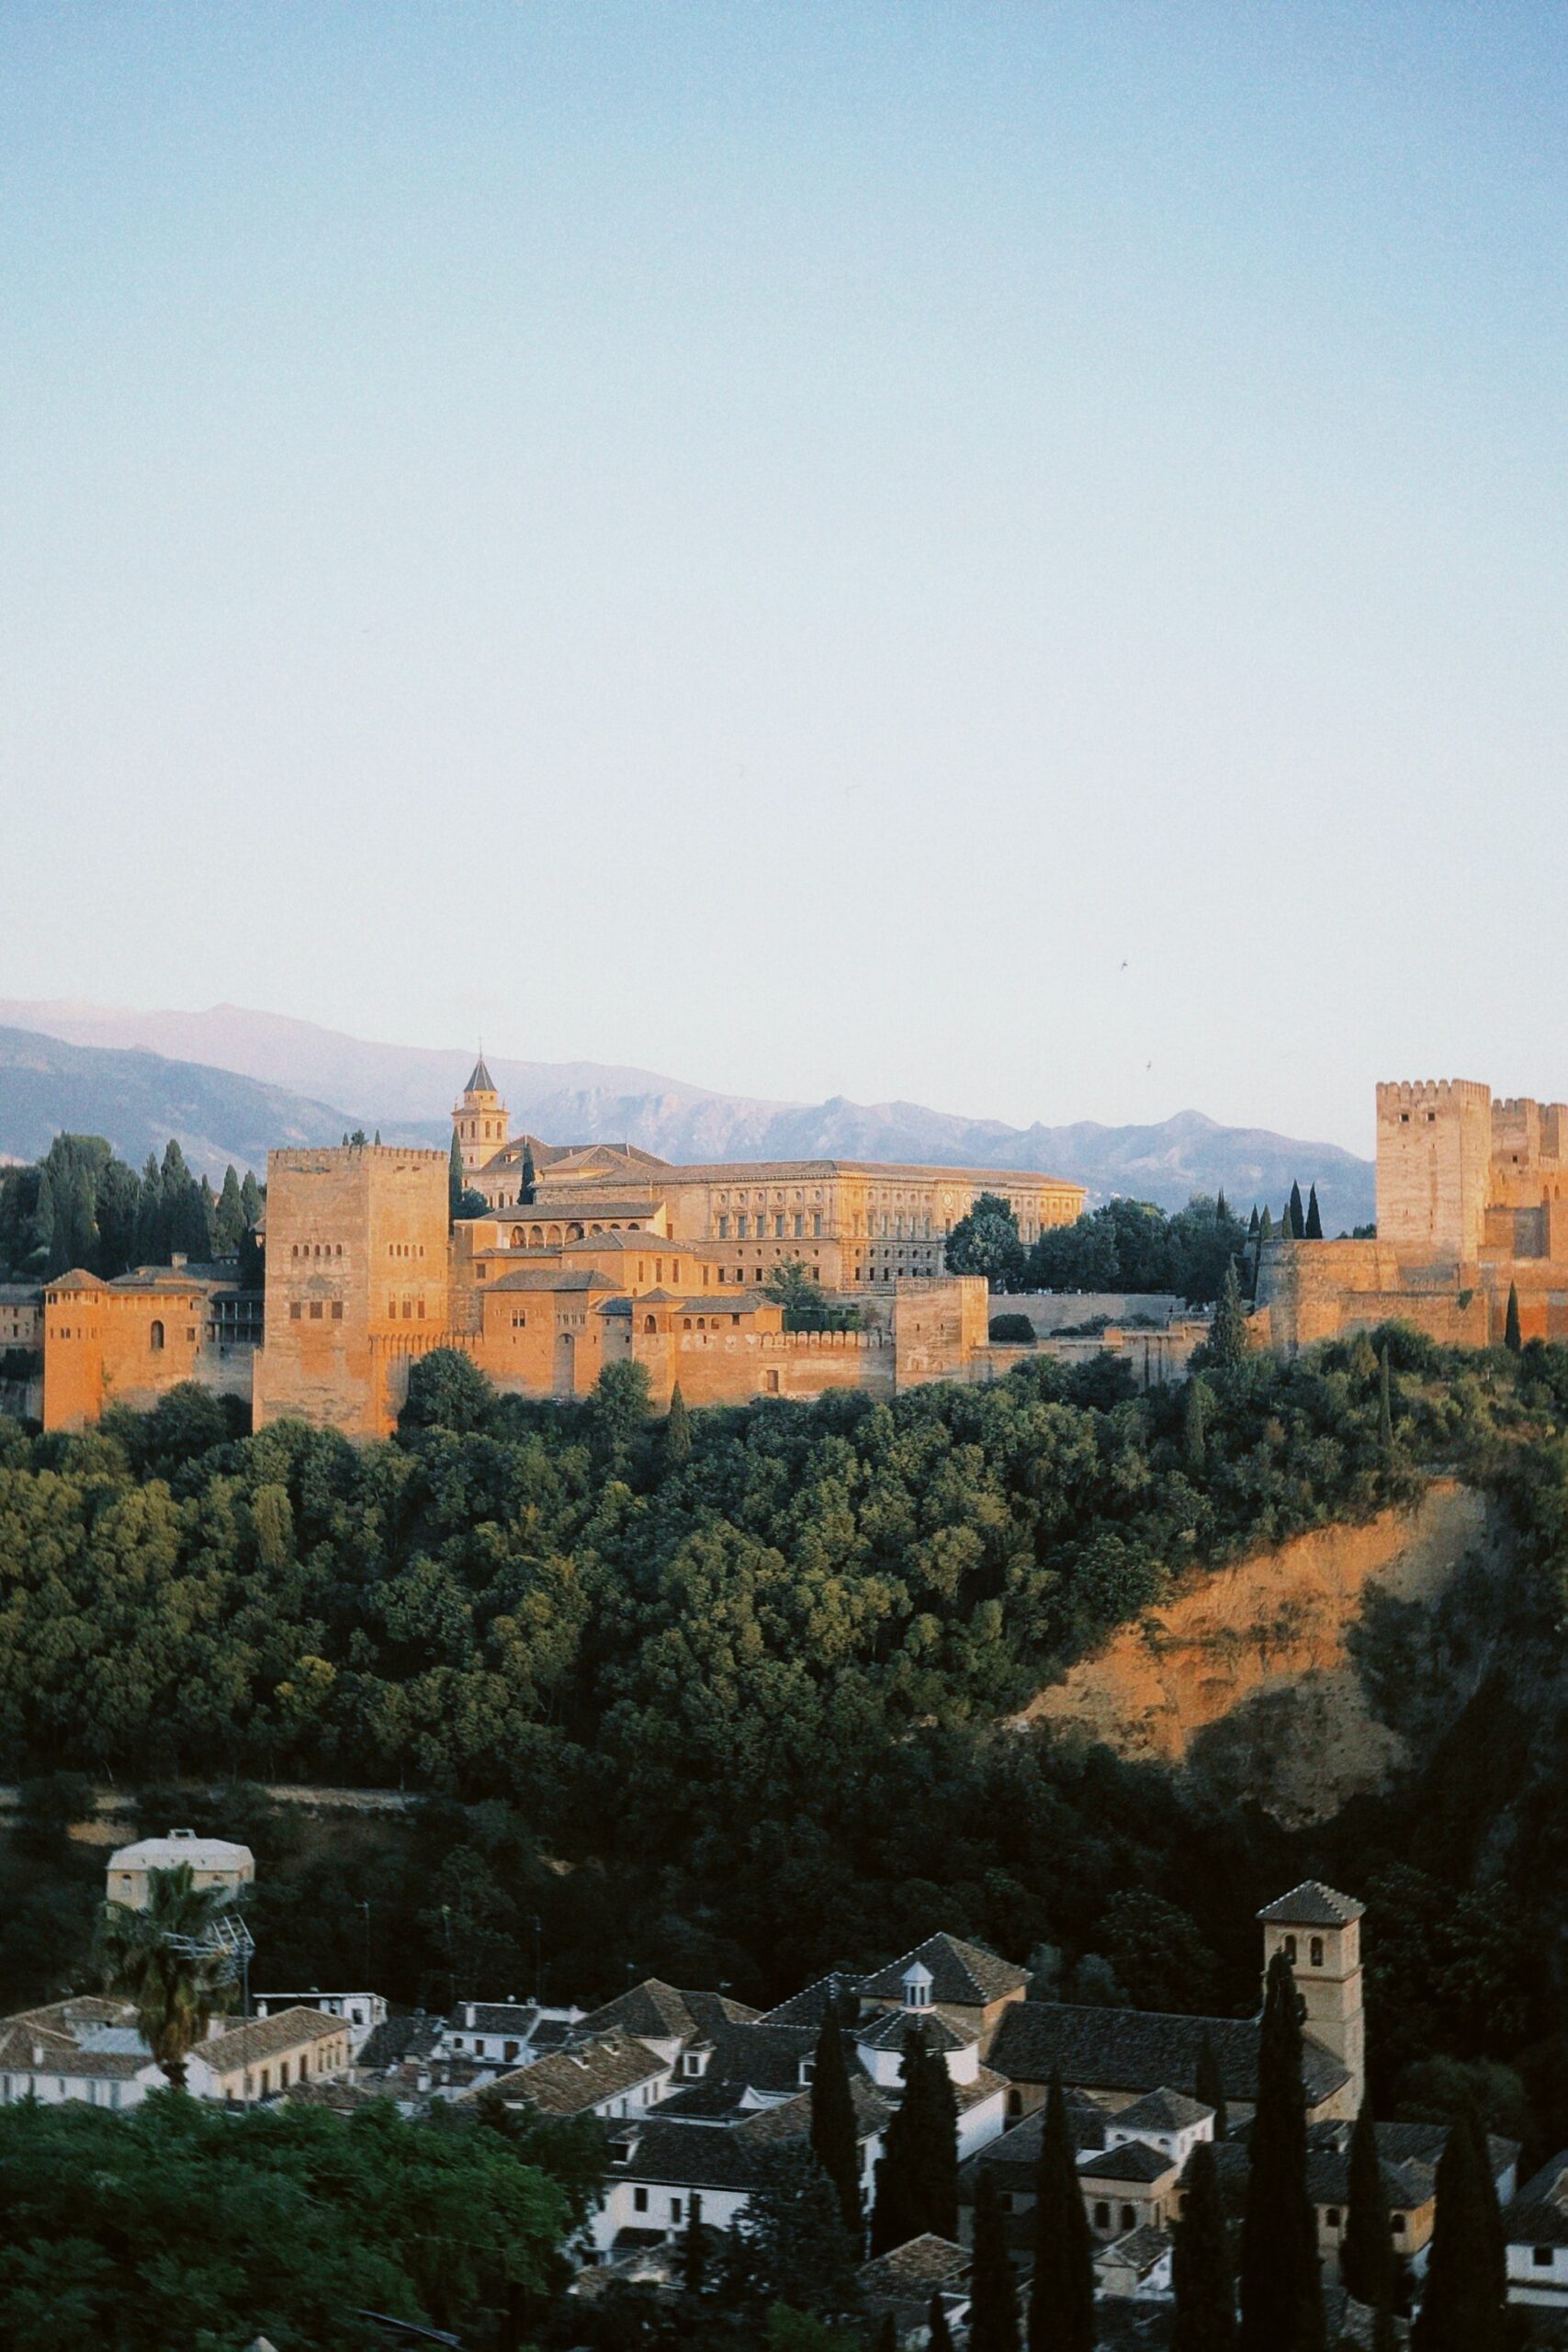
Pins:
<point x="481" y="1120"/>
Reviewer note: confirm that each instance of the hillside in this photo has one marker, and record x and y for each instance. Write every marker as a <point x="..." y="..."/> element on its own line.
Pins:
<point x="409" y="1091"/>
<point x="139" y="1100"/>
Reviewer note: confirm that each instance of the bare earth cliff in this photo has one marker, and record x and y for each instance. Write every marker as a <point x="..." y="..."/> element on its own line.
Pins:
<point x="1244" y="1674"/>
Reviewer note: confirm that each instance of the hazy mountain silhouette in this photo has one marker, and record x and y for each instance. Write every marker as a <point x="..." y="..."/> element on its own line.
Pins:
<point x="297" y="1072"/>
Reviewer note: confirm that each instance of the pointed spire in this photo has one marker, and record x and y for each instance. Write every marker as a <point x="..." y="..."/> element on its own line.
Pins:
<point x="481" y="1082"/>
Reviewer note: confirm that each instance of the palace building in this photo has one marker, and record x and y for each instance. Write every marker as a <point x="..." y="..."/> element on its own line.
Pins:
<point x="614" y="1256"/>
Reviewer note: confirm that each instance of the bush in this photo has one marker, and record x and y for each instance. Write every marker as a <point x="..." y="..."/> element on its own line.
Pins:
<point x="1012" y="1330"/>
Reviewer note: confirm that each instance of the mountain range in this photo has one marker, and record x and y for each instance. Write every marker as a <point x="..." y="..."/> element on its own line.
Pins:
<point x="230" y="1081"/>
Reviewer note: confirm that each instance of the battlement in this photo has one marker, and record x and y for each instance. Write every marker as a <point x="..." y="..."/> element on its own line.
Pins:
<point x="1429" y="1094"/>
<point x="319" y="1161"/>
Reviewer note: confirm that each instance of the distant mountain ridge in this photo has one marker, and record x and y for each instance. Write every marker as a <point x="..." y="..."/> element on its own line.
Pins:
<point x="317" y="1082"/>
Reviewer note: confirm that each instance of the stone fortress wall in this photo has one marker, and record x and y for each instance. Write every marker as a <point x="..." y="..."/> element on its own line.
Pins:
<point x="1472" y="1203"/>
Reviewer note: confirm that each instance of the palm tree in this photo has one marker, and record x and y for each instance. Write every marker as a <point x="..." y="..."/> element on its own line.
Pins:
<point x="153" y="1958"/>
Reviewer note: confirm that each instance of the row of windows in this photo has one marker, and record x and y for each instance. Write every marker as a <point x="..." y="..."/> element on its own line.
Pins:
<point x="1315" y="1949"/>
<point x="318" y="1310"/>
<point x="413" y="1309"/>
<point x="743" y="1227"/>
<point x="316" y="1249"/>
<point x="760" y="1195"/>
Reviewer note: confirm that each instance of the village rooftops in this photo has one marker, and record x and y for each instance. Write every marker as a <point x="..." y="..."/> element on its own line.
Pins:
<point x="249" y="2043"/>
<point x="570" y="2082"/>
<point x="1017" y="2151"/>
<point x="1312" y="1905"/>
<point x="961" y="1975"/>
<point x="400" y="2038"/>
<point x="810" y="2003"/>
<point x="1140" y="2050"/>
<point x="918" y="2267"/>
<point x="661" y="2013"/>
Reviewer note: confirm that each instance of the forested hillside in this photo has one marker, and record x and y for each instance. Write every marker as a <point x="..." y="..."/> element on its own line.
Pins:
<point x="716" y="1695"/>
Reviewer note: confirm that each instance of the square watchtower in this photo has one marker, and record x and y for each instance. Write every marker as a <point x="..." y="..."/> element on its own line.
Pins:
<point x="1319" y="1931"/>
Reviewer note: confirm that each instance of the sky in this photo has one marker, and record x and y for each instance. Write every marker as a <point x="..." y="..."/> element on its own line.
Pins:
<point x="1007" y="556"/>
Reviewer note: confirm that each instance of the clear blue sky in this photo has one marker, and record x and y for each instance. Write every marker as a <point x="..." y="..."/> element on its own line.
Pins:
<point x="1008" y="555"/>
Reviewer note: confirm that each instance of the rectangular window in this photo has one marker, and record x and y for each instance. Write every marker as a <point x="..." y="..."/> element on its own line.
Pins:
<point x="724" y="1228"/>
<point x="742" y="1228"/>
<point x="315" y="1310"/>
<point x="817" y="1227"/>
<point x="337" y="1310"/>
<point x="677" y="2209"/>
<point x="295" y="1311"/>
<point x="778" y="1229"/>
<point x="639" y="2200"/>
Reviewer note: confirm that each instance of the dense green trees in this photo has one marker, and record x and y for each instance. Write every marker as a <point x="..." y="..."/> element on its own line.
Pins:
<point x="986" y="1242"/>
<point x="184" y="2224"/>
<point x="1134" y="1246"/>
<point x="81" y="1206"/>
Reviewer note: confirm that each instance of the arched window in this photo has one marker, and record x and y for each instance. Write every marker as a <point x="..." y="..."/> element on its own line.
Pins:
<point x="650" y="1323"/>
<point x="1290" y="1950"/>
<point x="155" y="1338"/>
<point x="1317" y="1952"/>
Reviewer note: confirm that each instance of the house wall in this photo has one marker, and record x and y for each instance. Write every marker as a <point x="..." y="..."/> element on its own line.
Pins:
<point x="103" y="1346"/>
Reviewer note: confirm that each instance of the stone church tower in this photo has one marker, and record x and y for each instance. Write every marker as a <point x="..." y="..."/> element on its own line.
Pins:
<point x="480" y="1117"/>
<point x="1320" y="1933"/>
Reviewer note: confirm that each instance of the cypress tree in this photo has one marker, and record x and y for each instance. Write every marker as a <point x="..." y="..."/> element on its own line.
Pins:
<point x="45" y="1221"/>
<point x="453" y="1180"/>
<point x="1512" y="1338"/>
<point x="1227" y="1331"/>
<point x="251" y="1200"/>
<point x="900" y="2208"/>
<point x="1209" y="2085"/>
<point x="888" y="2334"/>
<point x="230" y="1220"/>
<point x="1193" y="1420"/>
<point x="1266" y="1224"/>
<point x="693" y="2252"/>
<point x="1222" y="1206"/>
<point x="529" y="1184"/>
<point x="1385" y="1412"/>
<point x="939" y="2337"/>
<point x="940" y="2165"/>
<point x="993" y="2283"/>
<point x="1462" y="2307"/>
<point x="677" y="1428"/>
<point x="1281" y="2286"/>
<point x="1386" y="2334"/>
<point x="834" y="2141"/>
<point x="1315" y="1216"/>
<point x="149" y="1248"/>
<point x="1061" y="2293"/>
<point x="1366" y="2252"/>
<point x="1254" y="1226"/>
<point x="1295" y="1216"/>
<point x="1201" y="2273"/>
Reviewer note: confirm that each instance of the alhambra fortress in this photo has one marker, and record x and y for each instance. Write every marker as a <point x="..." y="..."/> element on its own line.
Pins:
<point x="615" y="1257"/>
<point x="597" y="1254"/>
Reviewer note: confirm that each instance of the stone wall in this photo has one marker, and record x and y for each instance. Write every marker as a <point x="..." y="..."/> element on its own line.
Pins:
<point x="1433" y="1143"/>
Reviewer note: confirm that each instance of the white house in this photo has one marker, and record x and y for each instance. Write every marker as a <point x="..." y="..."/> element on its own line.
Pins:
<point x="361" y="2012"/>
<point x="81" y="2049"/>
<point x="1163" y="2119"/>
<point x="1536" y="2229"/>
<point x="212" y="1861"/>
<point x="613" y="2076"/>
<point x="510" y="2032"/>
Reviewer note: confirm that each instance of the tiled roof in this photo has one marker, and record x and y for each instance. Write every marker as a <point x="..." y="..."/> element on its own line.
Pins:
<point x="887" y="2031"/>
<point x="985" y="2085"/>
<point x="1161" y="2110"/>
<point x="1017" y="2151"/>
<point x="1133" y="2160"/>
<point x="807" y="2006"/>
<point x="569" y="2082"/>
<point x="77" y="2014"/>
<point x="695" y="2156"/>
<point x="400" y="2038"/>
<point x="920" y="2263"/>
<point x="1140" y="2050"/>
<point x="1531" y="2220"/>
<point x="1548" y="2182"/>
<point x="1312" y="1905"/>
<point x="494" y="2017"/>
<point x="25" y="2047"/>
<point x="261" y="2037"/>
<point x="552" y="1277"/>
<point x="961" y="1974"/>
<point x="1140" y="2251"/>
<point x="665" y="2013"/>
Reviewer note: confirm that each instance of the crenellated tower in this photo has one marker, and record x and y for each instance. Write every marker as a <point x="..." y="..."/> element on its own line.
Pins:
<point x="1434" y="1169"/>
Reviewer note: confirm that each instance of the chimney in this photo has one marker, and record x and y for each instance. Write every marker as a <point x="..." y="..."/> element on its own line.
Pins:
<point x="178" y="1261"/>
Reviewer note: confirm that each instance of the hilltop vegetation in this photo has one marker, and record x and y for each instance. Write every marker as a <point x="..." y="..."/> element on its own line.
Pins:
<point x="716" y="1697"/>
<point x="81" y="1206"/>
